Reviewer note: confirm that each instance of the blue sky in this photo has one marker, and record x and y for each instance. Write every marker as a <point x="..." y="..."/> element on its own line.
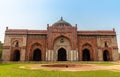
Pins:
<point x="36" y="14"/>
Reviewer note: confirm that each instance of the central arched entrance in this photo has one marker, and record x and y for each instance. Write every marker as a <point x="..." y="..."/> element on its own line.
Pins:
<point x="16" y="55"/>
<point x="37" y="55"/>
<point x="106" y="56"/>
<point x="62" y="56"/>
<point x="86" y="55"/>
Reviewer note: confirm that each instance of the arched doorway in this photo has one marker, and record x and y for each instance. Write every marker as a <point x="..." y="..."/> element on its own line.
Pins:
<point x="37" y="55"/>
<point x="106" y="56"/>
<point x="16" y="55"/>
<point x="86" y="55"/>
<point x="62" y="56"/>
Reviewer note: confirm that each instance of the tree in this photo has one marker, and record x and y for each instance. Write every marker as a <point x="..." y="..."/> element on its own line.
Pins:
<point x="0" y="49"/>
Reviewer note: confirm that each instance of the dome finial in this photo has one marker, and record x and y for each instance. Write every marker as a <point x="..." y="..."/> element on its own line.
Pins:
<point x="61" y="19"/>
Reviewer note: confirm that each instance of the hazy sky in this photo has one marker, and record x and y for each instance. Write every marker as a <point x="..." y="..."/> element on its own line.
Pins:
<point x="35" y="14"/>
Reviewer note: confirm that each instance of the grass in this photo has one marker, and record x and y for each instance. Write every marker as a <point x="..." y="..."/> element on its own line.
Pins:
<point x="12" y="70"/>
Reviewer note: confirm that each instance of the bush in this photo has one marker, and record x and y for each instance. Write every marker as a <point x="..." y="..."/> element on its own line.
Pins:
<point x="0" y="50"/>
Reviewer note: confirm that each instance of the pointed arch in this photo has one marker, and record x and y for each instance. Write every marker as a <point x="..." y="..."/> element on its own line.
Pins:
<point x="15" y="43"/>
<point x="37" y="55"/>
<point x="106" y="55"/>
<point x="87" y="52"/>
<point x="86" y="56"/>
<point x="64" y="43"/>
<point x="16" y="55"/>
<point x="35" y="45"/>
<point x="86" y="45"/>
<point x="62" y="36"/>
<point x="62" y="55"/>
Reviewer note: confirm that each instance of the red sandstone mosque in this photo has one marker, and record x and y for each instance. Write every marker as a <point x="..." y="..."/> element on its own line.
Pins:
<point x="60" y="42"/>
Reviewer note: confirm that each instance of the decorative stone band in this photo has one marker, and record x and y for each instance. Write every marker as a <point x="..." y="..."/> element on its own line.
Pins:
<point x="106" y="32"/>
<point x="6" y="47"/>
<point x="25" y="31"/>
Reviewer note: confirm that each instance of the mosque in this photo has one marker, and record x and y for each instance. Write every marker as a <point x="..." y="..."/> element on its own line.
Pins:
<point x="61" y="41"/>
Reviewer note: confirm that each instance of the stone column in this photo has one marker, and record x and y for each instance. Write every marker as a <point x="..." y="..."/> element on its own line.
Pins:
<point x="68" y="53"/>
<point x="46" y="57"/>
<point x="22" y="55"/>
<point x="71" y="55"/>
<point x="55" y="55"/>
<point x="100" y="55"/>
<point x="49" y="55"/>
<point x="75" y="55"/>
<point x="52" y="55"/>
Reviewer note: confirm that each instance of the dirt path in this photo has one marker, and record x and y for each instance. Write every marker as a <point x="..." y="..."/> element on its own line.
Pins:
<point x="78" y="67"/>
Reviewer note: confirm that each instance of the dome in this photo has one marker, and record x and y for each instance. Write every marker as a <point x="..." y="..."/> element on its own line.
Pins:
<point x="61" y="22"/>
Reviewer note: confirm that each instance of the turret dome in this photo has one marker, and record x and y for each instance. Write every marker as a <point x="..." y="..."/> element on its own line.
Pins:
<point x="61" y="22"/>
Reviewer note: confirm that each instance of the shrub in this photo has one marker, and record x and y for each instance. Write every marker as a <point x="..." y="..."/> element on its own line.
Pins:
<point x="0" y="50"/>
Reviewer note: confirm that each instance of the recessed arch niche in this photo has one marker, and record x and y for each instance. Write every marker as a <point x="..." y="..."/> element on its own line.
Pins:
<point x="62" y="44"/>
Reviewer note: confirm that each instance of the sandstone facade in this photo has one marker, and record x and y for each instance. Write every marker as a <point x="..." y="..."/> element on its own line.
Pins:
<point x="60" y="42"/>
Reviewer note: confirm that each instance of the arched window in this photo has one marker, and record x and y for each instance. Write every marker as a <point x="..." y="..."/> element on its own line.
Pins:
<point x="106" y="44"/>
<point x="16" y="44"/>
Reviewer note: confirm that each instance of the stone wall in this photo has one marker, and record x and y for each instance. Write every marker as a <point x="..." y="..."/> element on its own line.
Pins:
<point x="6" y="55"/>
<point x="56" y="37"/>
<point x="87" y="42"/>
<point x="97" y="44"/>
<point x="39" y="40"/>
<point x="9" y="48"/>
<point x="112" y="47"/>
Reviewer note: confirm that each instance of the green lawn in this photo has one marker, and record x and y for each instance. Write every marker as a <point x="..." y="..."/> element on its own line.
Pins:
<point x="12" y="70"/>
